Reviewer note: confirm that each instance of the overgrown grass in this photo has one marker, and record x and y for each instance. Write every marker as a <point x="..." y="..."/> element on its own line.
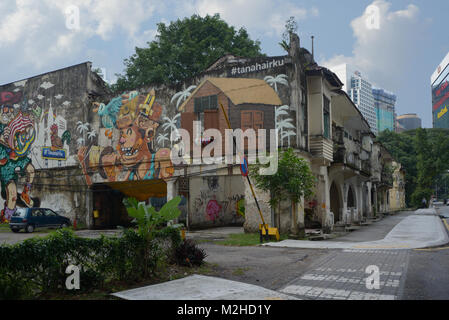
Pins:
<point x="245" y="239"/>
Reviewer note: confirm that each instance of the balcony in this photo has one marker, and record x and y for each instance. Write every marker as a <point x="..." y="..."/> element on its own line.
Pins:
<point x="321" y="147"/>
<point x="366" y="167"/>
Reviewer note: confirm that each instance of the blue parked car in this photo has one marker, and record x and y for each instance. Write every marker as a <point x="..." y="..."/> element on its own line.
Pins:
<point x="31" y="218"/>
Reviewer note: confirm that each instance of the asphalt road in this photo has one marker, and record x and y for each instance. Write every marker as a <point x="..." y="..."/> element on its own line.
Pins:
<point x="340" y="274"/>
<point x="271" y="268"/>
<point x="428" y="271"/>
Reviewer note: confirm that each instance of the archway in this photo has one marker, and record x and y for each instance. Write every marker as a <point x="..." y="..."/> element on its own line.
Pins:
<point x="365" y="196"/>
<point x="351" y="198"/>
<point x="335" y="202"/>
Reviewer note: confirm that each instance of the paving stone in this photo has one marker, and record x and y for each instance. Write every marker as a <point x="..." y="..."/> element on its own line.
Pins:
<point x="342" y="276"/>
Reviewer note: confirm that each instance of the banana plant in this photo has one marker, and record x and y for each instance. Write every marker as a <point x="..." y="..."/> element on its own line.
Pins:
<point x="148" y="219"/>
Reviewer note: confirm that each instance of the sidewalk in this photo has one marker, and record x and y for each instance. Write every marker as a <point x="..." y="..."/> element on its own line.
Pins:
<point x="199" y="287"/>
<point x="421" y="229"/>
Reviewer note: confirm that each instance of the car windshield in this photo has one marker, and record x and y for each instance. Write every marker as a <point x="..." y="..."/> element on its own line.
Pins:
<point x="20" y="212"/>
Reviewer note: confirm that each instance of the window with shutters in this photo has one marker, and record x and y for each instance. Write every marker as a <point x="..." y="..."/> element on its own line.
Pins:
<point x="326" y="117"/>
<point x="205" y="103"/>
<point x="251" y="119"/>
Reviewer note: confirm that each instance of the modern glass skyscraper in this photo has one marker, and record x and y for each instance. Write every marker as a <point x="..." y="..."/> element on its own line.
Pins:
<point x="384" y="103"/>
<point x="409" y="121"/>
<point x="359" y="90"/>
<point x="440" y="94"/>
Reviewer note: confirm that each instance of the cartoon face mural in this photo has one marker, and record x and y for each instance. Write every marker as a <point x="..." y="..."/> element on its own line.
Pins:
<point x="17" y="134"/>
<point x="10" y="98"/>
<point x="134" y="118"/>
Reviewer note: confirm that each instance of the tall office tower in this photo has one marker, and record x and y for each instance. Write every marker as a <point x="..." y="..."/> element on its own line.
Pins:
<point x="359" y="90"/>
<point x="409" y="121"/>
<point x="384" y="103"/>
<point x="440" y="94"/>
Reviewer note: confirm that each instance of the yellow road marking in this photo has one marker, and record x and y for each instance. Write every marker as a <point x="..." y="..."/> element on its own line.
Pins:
<point x="434" y="249"/>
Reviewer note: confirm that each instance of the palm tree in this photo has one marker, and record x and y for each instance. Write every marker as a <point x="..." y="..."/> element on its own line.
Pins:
<point x="161" y="138"/>
<point x="182" y="95"/>
<point x="172" y="125"/>
<point x="273" y="81"/>
<point x="92" y="134"/>
<point x="80" y="142"/>
<point x="82" y="127"/>
<point x="288" y="134"/>
<point x="284" y="124"/>
<point x="280" y="111"/>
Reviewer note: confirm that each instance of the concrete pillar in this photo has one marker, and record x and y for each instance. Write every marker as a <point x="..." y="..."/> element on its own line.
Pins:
<point x="370" y="209"/>
<point x="89" y="209"/>
<point x="171" y="188"/>
<point x="359" y="192"/>
<point x="344" y="209"/>
<point x="325" y="203"/>
<point x="375" y="199"/>
<point x="171" y="193"/>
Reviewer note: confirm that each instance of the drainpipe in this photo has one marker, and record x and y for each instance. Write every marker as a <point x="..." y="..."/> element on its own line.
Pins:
<point x="313" y="49"/>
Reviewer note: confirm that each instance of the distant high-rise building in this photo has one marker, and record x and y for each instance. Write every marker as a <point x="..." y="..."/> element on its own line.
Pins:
<point x="359" y="90"/>
<point x="440" y="94"/>
<point x="409" y="121"/>
<point x="384" y="103"/>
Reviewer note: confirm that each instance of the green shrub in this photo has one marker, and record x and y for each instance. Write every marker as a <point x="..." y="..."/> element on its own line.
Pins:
<point x="188" y="254"/>
<point x="38" y="265"/>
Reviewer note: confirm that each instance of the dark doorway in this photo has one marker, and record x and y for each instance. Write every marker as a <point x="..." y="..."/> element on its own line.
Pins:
<point x="111" y="211"/>
<point x="351" y="198"/>
<point x="335" y="202"/>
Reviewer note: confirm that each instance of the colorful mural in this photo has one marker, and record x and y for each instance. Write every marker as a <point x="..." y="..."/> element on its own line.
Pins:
<point x="17" y="134"/>
<point x="127" y="153"/>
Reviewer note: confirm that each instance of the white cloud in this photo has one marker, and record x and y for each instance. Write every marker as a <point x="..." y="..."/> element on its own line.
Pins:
<point x="35" y="34"/>
<point x="384" y="54"/>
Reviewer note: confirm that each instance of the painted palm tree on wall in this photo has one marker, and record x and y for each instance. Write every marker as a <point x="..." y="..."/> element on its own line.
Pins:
<point x="288" y="134"/>
<point x="182" y="95"/>
<point x="82" y="128"/>
<point x="161" y="138"/>
<point x="80" y="142"/>
<point x="92" y="134"/>
<point x="171" y="124"/>
<point x="274" y="81"/>
<point x="283" y="124"/>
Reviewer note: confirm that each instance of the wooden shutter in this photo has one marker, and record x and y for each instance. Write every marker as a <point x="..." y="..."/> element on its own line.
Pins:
<point x="246" y="120"/>
<point x="211" y="119"/>
<point x="251" y="119"/>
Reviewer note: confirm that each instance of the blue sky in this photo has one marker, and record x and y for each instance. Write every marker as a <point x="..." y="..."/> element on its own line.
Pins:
<point x="399" y="56"/>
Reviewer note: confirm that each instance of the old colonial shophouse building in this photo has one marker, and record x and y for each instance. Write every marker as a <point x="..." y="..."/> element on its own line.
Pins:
<point x="67" y="143"/>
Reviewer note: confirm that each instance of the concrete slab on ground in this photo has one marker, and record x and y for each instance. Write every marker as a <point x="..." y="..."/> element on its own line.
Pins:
<point x="198" y="287"/>
<point x="421" y="229"/>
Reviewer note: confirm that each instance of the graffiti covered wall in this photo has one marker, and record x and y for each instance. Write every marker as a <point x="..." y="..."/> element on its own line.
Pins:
<point x="37" y="118"/>
<point x="217" y="201"/>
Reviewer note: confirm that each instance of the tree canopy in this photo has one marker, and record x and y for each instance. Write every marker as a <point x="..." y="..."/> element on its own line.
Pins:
<point x="184" y="48"/>
<point x="293" y="179"/>
<point x="424" y="154"/>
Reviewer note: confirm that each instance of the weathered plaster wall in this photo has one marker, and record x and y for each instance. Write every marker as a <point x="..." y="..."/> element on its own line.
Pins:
<point x="44" y="112"/>
<point x="216" y="201"/>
